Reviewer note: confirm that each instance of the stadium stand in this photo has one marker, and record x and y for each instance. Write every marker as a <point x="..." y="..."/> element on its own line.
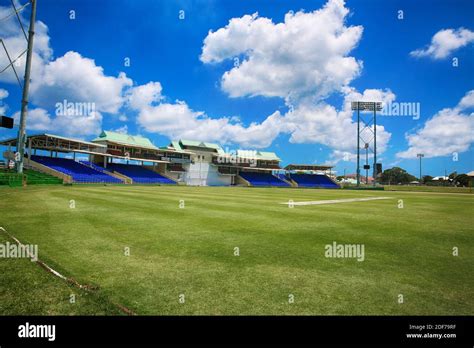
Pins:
<point x="94" y="166"/>
<point x="139" y="174"/>
<point x="262" y="179"/>
<point x="313" y="180"/>
<point x="281" y="176"/>
<point x="79" y="172"/>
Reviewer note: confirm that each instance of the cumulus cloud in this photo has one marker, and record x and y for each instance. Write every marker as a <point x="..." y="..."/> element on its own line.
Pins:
<point x="71" y="78"/>
<point x="3" y="106"/>
<point x="324" y="124"/>
<point x="16" y="44"/>
<point x="307" y="54"/>
<point x="40" y="120"/>
<point x="178" y="120"/>
<point x="78" y="79"/>
<point x="303" y="59"/>
<point x="144" y="95"/>
<point x="448" y="131"/>
<point x="311" y="123"/>
<point x="445" y="42"/>
<point x="385" y="96"/>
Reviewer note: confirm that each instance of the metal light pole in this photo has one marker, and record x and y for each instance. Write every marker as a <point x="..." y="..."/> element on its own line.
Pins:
<point x="420" y="156"/>
<point x="358" y="144"/>
<point x="375" y="147"/>
<point x="26" y="86"/>
<point x="366" y="163"/>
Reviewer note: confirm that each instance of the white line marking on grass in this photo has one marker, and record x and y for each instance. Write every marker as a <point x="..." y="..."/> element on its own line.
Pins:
<point x="68" y="280"/>
<point x="333" y="201"/>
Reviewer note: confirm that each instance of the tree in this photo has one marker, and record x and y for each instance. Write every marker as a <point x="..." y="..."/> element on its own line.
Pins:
<point x="396" y="175"/>
<point x="426" y="179"/>
<point x="461" y="180"/>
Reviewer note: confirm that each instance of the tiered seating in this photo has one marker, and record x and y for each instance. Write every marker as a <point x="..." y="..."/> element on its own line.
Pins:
<point x="79" y="172"/>
<point x="313" y="180"/>
<point x="94" y="166"/>
<point x="139" y="174"/>
<point x="262" y="179"/>
<point x="281" y="176"/>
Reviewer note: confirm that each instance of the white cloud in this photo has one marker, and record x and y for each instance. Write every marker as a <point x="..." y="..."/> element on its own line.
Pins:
<point x="70" y="125"/>
<point x="123" y="129"/>
<point x="15" y="42"/>
<point x="304" y="55"/>
<point x="324" y="124"/>
<point x="3" y="106"/>
<point x="303" y="60"/>
<point x="385" y="96"/>
<point x="448" y="131"/>
<point x="467" y="101"/>
<point x="445" y="42"/>
<point x="310" y="123"/>
<point x="144" y="95"/>
<point x="177" y="120"/>
<point x="38" y="119"/>
<point x="71" y="77"/>
<point x="78" y="79"/>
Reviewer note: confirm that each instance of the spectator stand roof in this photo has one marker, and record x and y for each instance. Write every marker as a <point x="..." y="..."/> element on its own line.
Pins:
<point x="125" y="139"/>
<point x="50" y="142"/>
<point x="56" y="143"/>
<point x="183" y="145"/>
<point x="312" y="167"/>
<point x="142" y="146"/>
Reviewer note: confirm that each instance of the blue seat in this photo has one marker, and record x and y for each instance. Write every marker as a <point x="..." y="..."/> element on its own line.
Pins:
<point x="79" y="172"/>
<point x="263" y="179"/>
<point x="139" y="174"/>
<point x="313" y="180"/>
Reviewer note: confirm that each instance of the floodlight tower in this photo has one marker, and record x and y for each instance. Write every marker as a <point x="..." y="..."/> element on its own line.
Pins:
<point x="24" y="99"/>
<point x="367" y="106"/>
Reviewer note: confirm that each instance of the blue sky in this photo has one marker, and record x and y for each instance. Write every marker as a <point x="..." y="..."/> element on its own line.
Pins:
<point x="180" y="77"/>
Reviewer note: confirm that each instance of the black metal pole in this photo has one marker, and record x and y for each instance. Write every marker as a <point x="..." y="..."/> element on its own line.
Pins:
<point x="375" y="145"/>
<point x="358" y="145"/>
<point x="367" y="163"/>
<point x="420" y="170"/>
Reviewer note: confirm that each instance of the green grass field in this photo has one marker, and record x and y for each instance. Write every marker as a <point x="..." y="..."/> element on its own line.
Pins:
<point x="190" y="251"/>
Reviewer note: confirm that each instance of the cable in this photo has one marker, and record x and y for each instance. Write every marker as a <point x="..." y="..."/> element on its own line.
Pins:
<point x="14" y="61"/>
<point x="19" y="21"/>
<point x="13" y="67"/>
<point x="17" y="11"/>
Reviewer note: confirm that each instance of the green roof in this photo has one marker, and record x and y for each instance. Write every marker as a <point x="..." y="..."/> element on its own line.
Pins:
<point x="125" y="139"/>
<point x="193" y="143"/>
<point x="261" y="155"/>
<point x="176" y="145"/>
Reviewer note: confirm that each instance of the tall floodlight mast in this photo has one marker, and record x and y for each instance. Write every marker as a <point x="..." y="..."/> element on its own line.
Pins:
<point x="371" y="125"/>
<point x="21" y="141"/>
